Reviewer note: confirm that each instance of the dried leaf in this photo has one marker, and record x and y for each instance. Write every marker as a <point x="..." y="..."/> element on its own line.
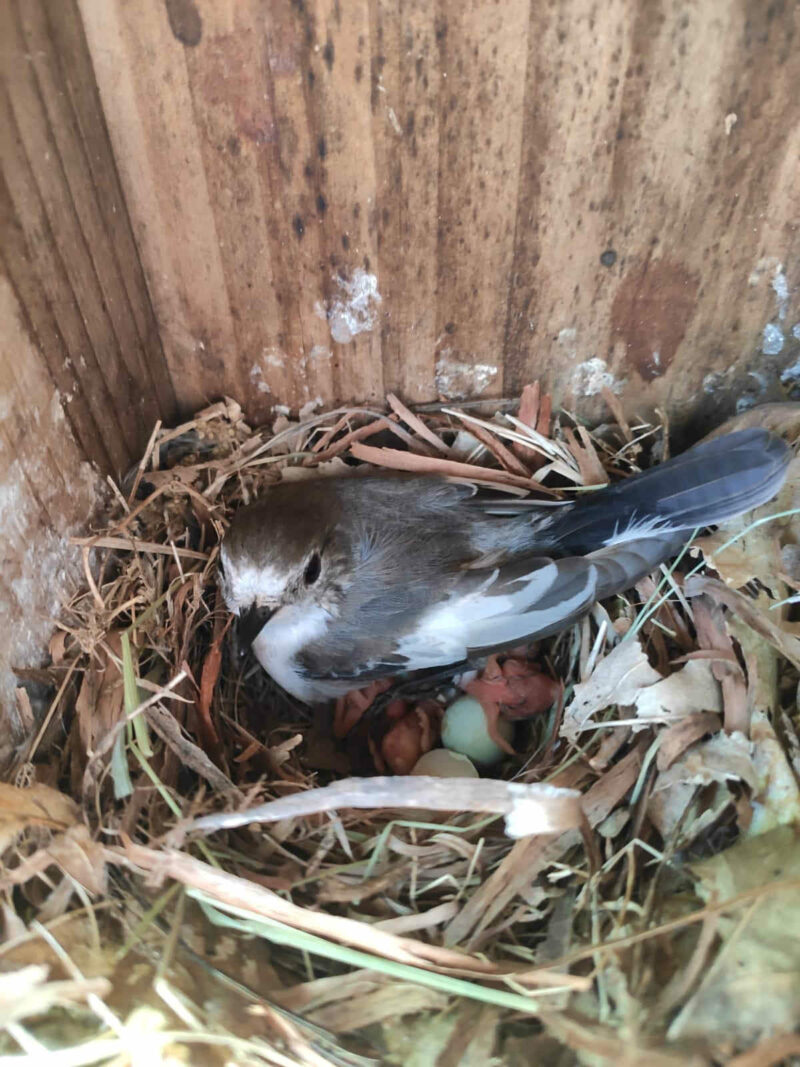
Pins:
<point x="37" y="806"/>
<point x="723" y="758"/>
<point x="616" y="680"/>
<point x="712" y="634"/>
<point x="683" y="733"/>
<point x="691" y="689"/>
<point x="787" y="643"/>
<point x="26" y="993"/>
<point x="753" y="988"/>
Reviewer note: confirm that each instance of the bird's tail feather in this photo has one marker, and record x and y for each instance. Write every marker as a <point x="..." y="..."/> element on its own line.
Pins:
<point x="706" y="485"/>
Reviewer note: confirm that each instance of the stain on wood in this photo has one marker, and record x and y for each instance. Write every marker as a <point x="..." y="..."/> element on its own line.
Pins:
<point x="651" y="313"/>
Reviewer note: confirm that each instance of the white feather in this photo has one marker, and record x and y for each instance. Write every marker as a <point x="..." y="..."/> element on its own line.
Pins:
<point x="638" y="528"/>
<point x="245" y="584"/>
<point x="287" y="633"/>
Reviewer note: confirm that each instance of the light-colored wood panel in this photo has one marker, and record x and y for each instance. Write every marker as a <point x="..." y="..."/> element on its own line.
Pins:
<point x="77" y="85"/>
<point x="330" y="200"/>
<point x="339" y="106"/>
<point x="66" y="182"/>
<point x="143" y="81"/>
<point x="47" y="491"/>
<point x="655" y="167"/>
<point x="406" y="136"/>
<point x="482" y="63"/>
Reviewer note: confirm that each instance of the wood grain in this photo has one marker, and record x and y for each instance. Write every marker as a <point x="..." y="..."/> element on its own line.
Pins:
<point x="193" y="192"/>
<point x="590" y="194"/>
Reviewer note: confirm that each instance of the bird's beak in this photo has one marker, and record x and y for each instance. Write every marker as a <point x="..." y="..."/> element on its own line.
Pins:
<point x="251" y="623"/>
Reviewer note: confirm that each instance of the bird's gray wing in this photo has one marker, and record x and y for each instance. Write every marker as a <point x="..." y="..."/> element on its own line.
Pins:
<point x="521" y="604"/>
<point x="488" y="610"/>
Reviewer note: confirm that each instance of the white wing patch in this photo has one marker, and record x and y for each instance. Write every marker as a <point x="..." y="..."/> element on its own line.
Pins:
<point x="479" y="619"/>
<point x="505" y="629"/>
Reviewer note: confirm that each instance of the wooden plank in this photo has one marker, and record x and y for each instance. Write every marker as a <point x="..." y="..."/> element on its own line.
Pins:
<point x="47" y="491"/>
<point x="405" y="125"/>
<point x="482" y="60"/>
<point x="339" y="113"/>
<point x="38" y="269"/>
<point x="551" y="191"/>
<point x="656" y="204"/>
<point x="143" y="82"/>
<point x="253" y="154"/>
<point x="71" y="199"/>
<point x="58" y="184"/>
<point x="77" y="84"/>
<point x="86" y="412"/>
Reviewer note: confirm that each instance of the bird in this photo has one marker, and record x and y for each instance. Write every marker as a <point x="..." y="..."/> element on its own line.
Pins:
<point x="339" y="581"/>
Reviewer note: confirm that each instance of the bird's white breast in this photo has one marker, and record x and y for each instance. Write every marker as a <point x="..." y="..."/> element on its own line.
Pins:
<point x="287" y="633"/>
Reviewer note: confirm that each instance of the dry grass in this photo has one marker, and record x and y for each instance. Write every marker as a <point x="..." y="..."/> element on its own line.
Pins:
<point x="611" y="922"/>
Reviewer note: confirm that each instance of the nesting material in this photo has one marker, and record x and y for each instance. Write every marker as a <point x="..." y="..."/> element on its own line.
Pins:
<point x="192" y="861"/>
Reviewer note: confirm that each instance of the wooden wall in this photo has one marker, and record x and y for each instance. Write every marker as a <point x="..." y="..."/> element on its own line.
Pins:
<point x="291" y="200"/>
<point x="210" y="196"/>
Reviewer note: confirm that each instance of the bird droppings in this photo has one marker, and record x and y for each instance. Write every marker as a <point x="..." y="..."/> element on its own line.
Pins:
<point x="796" y="331"/>
<point x="765" y="267"/>
<point x="270" y="357"/>
<point x="773" y="339"/>
<point x="319" y="352"/>
<point x="781" y="288"/>
<point x="771" y="267"/>
<point x="394" y="121"/>
<point x="790" y="375"/>
<point x="567" y="339"/>
<point x="273" y="357"/>
<point x="713" y="381"/>
<point x="591" y="377"/>
<point x="257" y="379"/>
<point x="355" y="311"/>
<point x="310" y="406"/>
<point x="456" y="379"/>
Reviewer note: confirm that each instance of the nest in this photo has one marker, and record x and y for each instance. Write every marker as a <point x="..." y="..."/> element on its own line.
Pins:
<point x="618" y="890"/>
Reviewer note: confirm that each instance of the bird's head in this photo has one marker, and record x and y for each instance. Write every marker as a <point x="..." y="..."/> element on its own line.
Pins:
<point x="279" y="551"/>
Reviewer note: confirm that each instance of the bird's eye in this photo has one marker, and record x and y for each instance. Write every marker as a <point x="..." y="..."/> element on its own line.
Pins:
<point x="313" y="568"/>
